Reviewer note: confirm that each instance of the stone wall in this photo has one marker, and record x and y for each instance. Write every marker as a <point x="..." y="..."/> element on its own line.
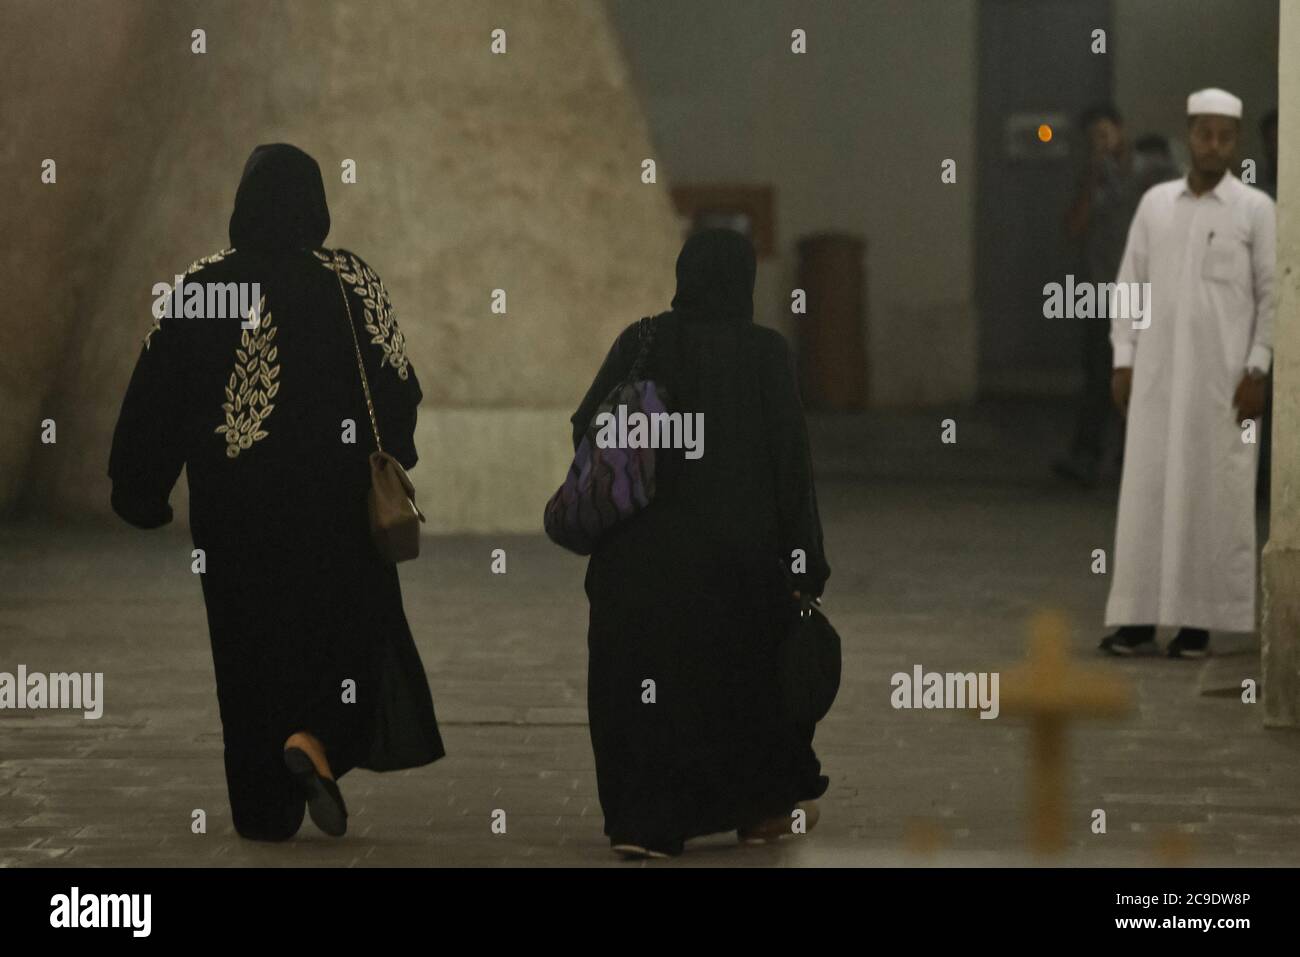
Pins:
<point x="474" y="172"/>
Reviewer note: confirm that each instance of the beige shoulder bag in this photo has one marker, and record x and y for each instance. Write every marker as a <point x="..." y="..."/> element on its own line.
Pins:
<point x="394" y="517"/>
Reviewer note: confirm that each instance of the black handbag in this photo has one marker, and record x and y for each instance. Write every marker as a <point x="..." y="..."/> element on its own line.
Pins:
<point x="810" y="665"/>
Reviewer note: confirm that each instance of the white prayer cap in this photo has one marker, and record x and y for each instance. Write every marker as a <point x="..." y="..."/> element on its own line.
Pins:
<point x="1216" y="101"/>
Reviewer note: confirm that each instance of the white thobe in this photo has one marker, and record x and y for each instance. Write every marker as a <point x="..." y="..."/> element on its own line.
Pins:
<point x="1185" y="533"/>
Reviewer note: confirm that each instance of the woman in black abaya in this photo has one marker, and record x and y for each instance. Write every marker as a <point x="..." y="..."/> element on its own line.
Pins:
<point x="694" y="592"/>
<point x="315" y="666"/>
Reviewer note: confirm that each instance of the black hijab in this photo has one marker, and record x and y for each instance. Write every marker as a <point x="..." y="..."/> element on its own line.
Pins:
<point x="280" y="203"/>
<point x="715" y="276"/>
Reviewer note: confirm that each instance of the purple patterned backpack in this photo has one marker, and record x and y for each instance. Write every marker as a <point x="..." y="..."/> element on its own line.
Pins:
<point x="606" y="486"/>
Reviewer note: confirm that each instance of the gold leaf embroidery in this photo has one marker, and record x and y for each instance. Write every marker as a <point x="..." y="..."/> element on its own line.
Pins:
<point x="194" y="267"/>
<point x="247" y="405"/>
<point x="379" y="318"/>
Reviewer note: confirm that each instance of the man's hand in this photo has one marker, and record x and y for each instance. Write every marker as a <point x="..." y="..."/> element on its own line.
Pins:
<point x="1250" y="395"/>
<point x="1121" y="386"/>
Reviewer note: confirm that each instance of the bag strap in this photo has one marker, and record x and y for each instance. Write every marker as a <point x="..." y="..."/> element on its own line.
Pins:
<point x="361" y="366"/>
<point x="646" y="335"/>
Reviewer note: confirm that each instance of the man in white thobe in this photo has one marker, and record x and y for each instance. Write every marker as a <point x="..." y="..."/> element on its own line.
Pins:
<point x="1191" y="375"/>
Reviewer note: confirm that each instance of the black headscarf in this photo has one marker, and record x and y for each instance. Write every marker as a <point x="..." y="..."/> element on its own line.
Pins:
<point x="715" y="276"/>
<point x="280" y="202"/>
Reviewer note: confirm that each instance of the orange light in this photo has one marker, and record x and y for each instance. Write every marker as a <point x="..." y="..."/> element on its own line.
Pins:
<point x="1045" y="133"/>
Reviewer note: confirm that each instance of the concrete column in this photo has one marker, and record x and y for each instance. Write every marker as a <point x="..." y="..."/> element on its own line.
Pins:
<point x="1281" y="561"/>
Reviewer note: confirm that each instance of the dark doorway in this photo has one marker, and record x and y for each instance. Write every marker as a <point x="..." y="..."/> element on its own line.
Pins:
<point x="1036" y="65"/>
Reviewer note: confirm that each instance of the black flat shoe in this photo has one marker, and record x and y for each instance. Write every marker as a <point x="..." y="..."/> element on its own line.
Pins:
<point x="324" y="800"/>
<point x="1190" y="643"/>
<point x="1129" y="646"/>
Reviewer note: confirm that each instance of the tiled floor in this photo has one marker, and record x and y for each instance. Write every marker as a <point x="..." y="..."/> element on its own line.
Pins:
<point x="942" y="571"/>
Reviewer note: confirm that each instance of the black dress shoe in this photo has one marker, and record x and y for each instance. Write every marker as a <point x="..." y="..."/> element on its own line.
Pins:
<point x="324" y="800"/>
<point x="1190" y="643"/>
<point x="1129" y="644"/>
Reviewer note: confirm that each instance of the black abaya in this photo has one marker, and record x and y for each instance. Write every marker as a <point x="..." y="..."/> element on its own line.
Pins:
<point x="305" y="619"/>
<point x="694" y="593"/>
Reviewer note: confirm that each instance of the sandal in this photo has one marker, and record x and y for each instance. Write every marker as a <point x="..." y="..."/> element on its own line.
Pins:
<point x="772" y="829"/>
